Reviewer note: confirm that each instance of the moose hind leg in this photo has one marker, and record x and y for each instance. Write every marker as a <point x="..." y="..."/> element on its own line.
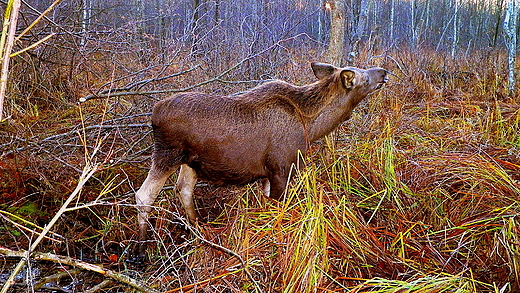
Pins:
<point x="185" y="185"/>
<point x="147" y="194"/>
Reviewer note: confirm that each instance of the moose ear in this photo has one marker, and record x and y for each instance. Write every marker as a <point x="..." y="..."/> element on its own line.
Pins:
<point x="322" y="70"/>
<point x="348" y="77"/>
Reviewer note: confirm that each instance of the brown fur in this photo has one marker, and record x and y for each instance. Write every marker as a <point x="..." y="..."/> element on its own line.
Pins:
<point x="254" y="135"/>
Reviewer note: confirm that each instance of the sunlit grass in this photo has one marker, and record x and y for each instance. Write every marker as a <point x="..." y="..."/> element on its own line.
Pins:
<point x="418" y="192"/>
<point x="414" y="196"/>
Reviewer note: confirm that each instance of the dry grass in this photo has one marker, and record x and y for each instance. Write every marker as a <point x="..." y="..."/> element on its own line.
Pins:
<point x="418" y="192"/>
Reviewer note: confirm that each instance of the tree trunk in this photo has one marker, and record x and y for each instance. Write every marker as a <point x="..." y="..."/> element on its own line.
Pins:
<point x="86" y="12"/>
<point x="140" y="6"/>
<point x="195" y="28"/>
<point x="217" y="12"/>
<point x="497" y="27"/>
<point x="9" y="32"/>
<point x="322" y="19"/>
<point x="360" y="30"/>
<point x="455" y="27"/>
<point x="196" y="7"/>
<point x="510" y="28"/>
<point x="162" y="28"/>
<point x="427" y="13"/>
<point x="392" y="19"/>
<point x="337" y="32"/>
<point x="413" y="34"/>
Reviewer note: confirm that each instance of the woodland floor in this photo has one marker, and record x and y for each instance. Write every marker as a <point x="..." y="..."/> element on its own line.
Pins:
<point x="418" y="192"/>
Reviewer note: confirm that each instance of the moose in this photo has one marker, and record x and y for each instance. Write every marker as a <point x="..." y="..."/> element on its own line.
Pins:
<point x="254" y="135"/>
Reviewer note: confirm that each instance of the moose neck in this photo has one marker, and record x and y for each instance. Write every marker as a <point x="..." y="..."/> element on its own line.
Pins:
<point x="335" y="106"/>
<point x="330" y="117"/>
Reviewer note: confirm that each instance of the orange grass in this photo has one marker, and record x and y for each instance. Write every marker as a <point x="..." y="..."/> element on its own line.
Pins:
<point x="418" y="192"/>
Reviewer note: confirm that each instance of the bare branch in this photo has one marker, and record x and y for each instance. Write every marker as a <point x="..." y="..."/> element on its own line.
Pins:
<point x="217" y="78"/>
<point x="197" y="234"/>
<point x="141" y="83"/>
<point x="79" y="264"/>
<point x="73" y="131"/>
<point x="88" y="171"/>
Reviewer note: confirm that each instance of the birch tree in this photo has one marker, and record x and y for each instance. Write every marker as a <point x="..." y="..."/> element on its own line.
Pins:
<point x="392" y="21"/>
<point x="6" y="45"/>
<point x="413" y="32"/>
<point x="360" y="29"/>
<point x="455" y="27"/>
<point x="510" y="27"/>
<point x="86" y="13"/>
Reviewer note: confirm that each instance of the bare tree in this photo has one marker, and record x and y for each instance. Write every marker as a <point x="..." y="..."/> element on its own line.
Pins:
<point x="337" y="31"/>
<point x="360" y="29"/>
<point x="498" y="13"/>
<point x="196" y="30"/>
<point x="86" y="13"/>
<point x="510" y="28"/>
<point x="392" y="21"/>
<point x="217" y="12"/>
<point x="162" y="28"/>
<point x="427" y="14"/>
<point x="6" y="45"/>
<point x="140" y="16"/>
<point x="413" y="32"/>
<point x="455" y="27"/>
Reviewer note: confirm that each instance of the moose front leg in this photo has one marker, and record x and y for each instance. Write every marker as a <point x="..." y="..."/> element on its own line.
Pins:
<point x="277" y="184"/>
<point x="279" y="172"/>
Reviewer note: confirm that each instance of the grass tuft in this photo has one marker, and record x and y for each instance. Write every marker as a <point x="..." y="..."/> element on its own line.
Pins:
<point x="418" y="192"/>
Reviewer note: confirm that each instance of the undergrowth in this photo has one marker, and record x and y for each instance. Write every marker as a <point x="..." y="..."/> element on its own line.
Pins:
<point x="418" y="192"/>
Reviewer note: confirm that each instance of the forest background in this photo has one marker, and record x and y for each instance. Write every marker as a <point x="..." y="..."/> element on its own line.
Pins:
<point x="418" y="192"/>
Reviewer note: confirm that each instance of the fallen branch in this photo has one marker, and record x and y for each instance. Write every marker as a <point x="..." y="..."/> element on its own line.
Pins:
<point x="111" y="92"/>
<point x="217" y="78"/>
<point x="88" y="171"/>
<point x="79" y="264"/>
<point x="69" y="133"/>
<point x="244" y="264"/>
<point x="56" y="277"/>
<point x="100" y="286"/>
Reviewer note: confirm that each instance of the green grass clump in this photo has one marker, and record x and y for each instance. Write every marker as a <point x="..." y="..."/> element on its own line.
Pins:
<point x="418" y="192"/>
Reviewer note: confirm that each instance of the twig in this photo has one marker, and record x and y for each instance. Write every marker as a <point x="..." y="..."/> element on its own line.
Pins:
<point x="203" y="282"/>
<point x="73" y="131"/>
<point x="79" y="264"/>
<point x="217" y="78"/>
<point x="37" y="20"/>
<point x="88" y="171"/>
<point x="141" y="83"/>
<point x="227" y="250"/>
<point x="395" y="61"/>
<point x="22" y="227"/>
<point x="55" y="277"/>
<point x="100" y="286"/>
<point x="34" y="45"/>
